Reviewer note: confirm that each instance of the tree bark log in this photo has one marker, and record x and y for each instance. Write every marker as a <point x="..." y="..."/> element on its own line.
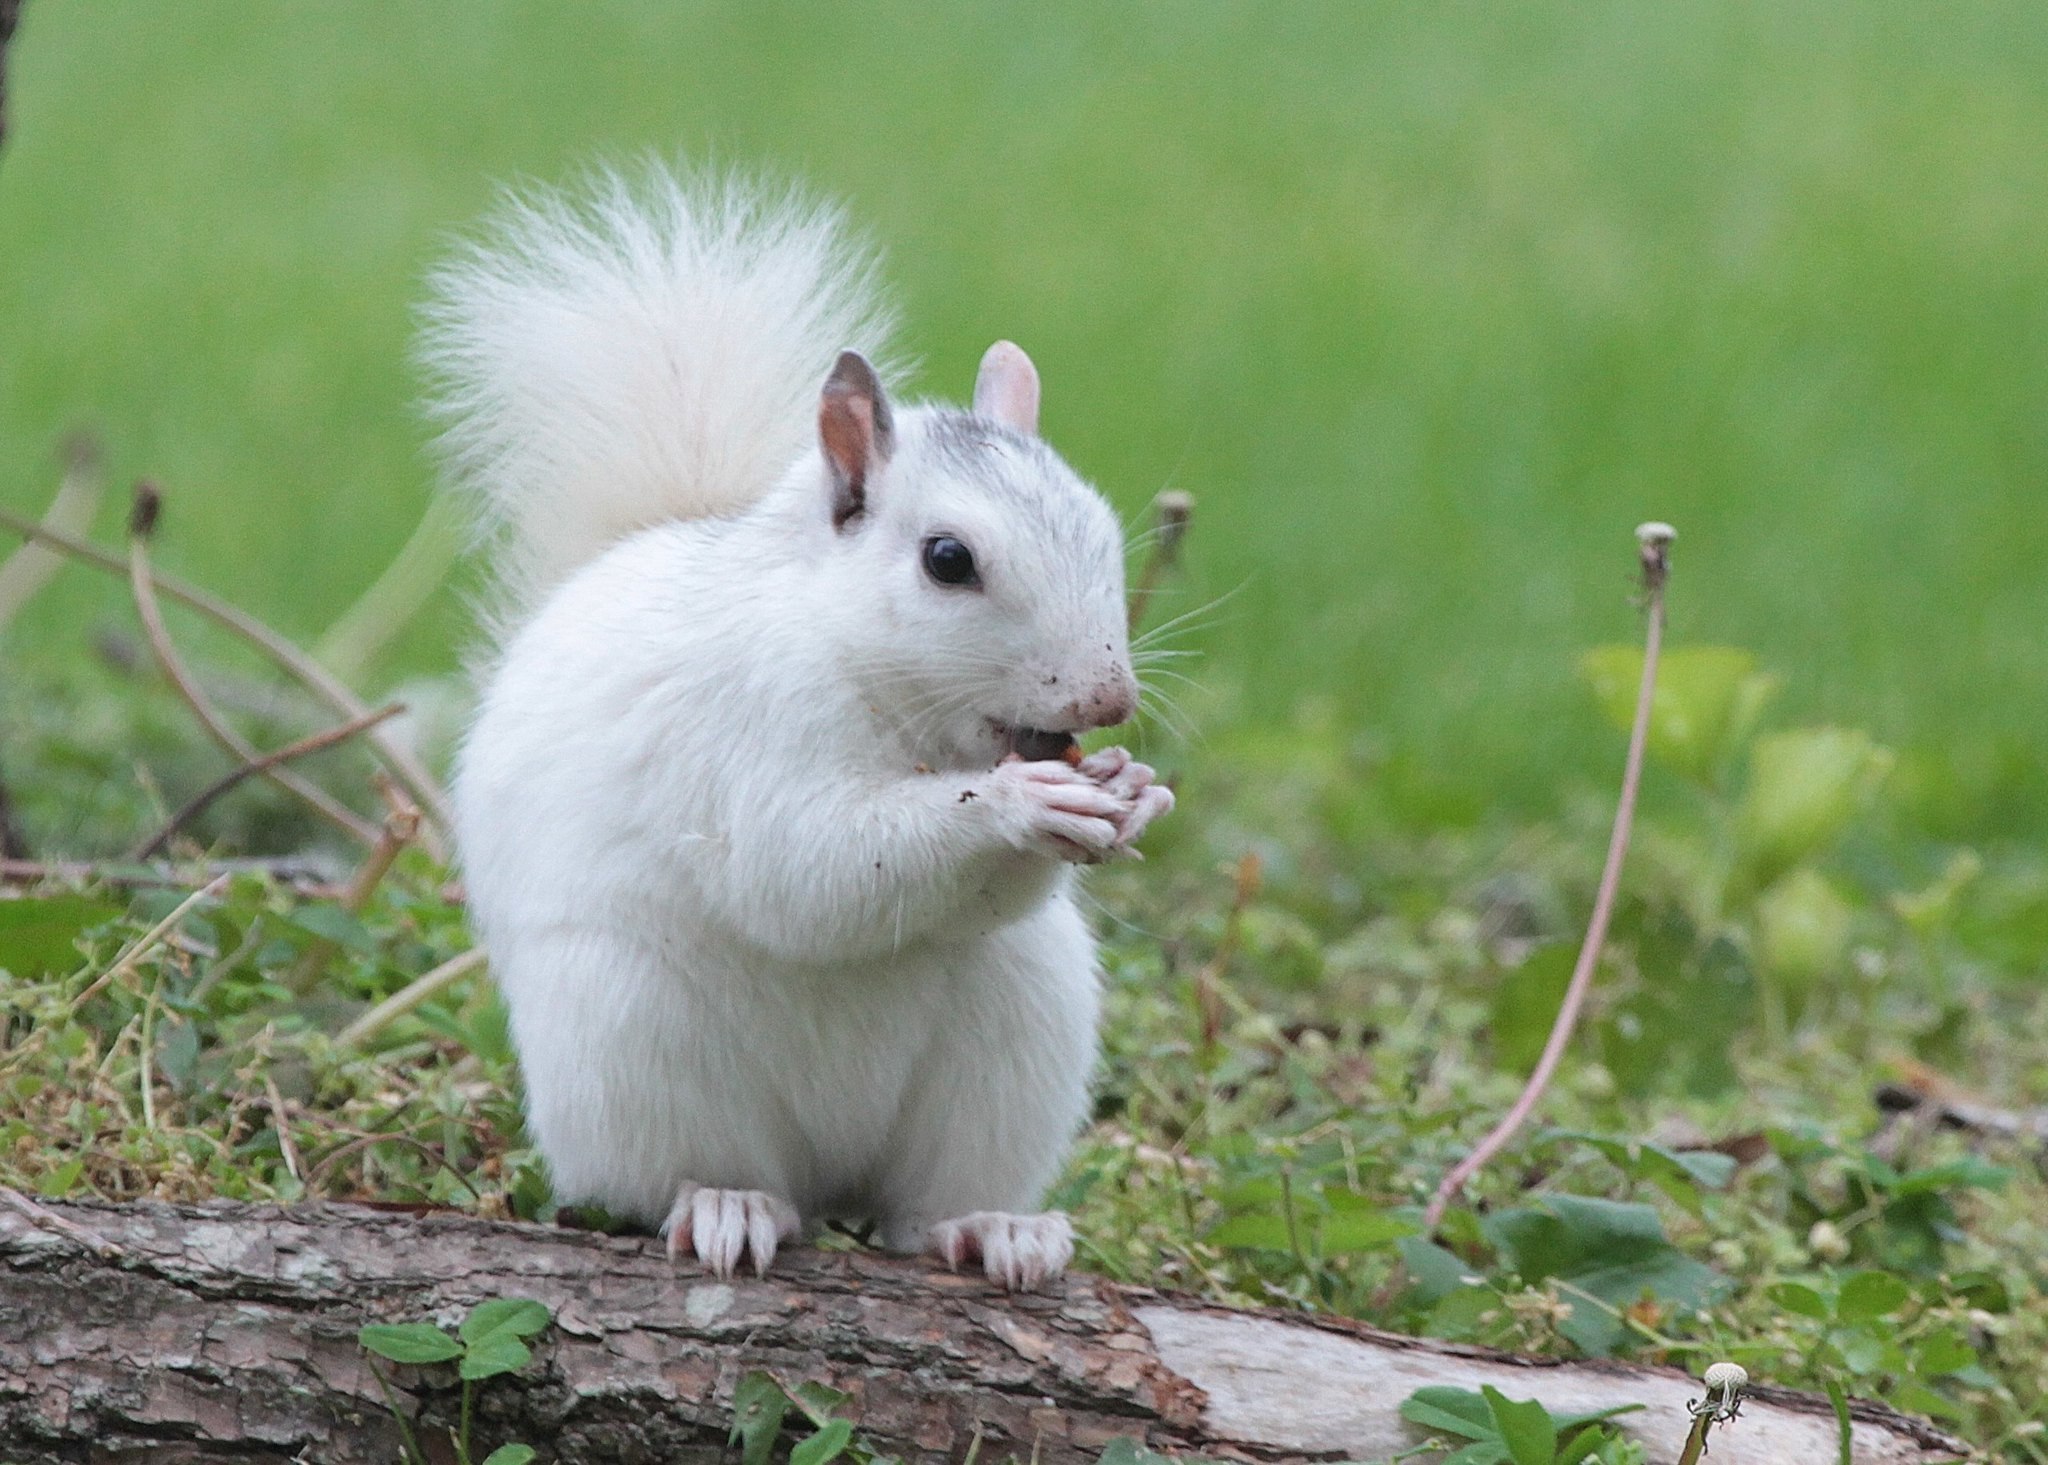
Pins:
<point x="223" y="1332"/>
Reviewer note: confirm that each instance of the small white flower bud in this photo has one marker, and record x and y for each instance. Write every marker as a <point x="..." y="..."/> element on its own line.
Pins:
<point x="1727" y="1376"/>
<point x="1826" y="1242"/>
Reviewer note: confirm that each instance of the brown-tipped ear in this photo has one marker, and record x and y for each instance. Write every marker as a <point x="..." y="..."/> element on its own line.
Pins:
<point x="1006" y="387"/>
<point x="855" y="431"/>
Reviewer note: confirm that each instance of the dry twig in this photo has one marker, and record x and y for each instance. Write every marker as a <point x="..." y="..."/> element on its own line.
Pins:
<point x="149" y="940"/>
<point x="30" y="568"/>
<point x="286" y="1147"/>
<point x="1654" y="541"/>
<point x="1174" y="510"/>
<point x="198" y="803"/>
<point x="303" y="876"/>
<point x="141" y="524"/>
<point x="401" y="828"/>
<point x="411" y="995"/>
<point x="282" y="653"/>
<point x="45" y="1219"/>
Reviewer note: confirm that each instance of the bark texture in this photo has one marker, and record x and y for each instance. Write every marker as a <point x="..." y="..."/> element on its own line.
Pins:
<point x="222" y="1332"/>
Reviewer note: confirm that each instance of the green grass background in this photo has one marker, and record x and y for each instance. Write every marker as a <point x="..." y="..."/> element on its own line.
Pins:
<point x="1427" y="304"/>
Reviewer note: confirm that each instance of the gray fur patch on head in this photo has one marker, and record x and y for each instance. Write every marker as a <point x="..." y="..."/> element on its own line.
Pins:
<point x="965" y="443"/>
<point x="1019" y="469"/>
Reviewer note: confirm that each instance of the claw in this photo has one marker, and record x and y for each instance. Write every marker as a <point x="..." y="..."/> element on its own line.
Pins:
<point x="721" y="1226"/>
<point x="1017" y="1252"/>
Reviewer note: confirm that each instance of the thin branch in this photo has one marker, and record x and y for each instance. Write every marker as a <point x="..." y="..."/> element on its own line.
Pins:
<point x="149" y="940"/>
<point x="142" y="522"/>
<point x="401" y="828"/>
<point x="285" y="1145"/>
<point x="198" y="803"/>
<point x="282" y="653"/>
<point x="1654" y="541"/>
<point x="30" y="568"/>
<point x="301" y="875"/>
<point x="361" y="633"/>
<point x="411" y="995"/>
<point x="45" y="1219"/>
<point x="1174" y="510"/>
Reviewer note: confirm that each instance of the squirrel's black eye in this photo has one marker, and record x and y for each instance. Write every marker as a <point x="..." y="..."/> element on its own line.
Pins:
<point x="949" y="562"/>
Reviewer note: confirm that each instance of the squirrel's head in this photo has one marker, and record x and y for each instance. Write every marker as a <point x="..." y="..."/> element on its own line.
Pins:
<point x="992" y="618"/>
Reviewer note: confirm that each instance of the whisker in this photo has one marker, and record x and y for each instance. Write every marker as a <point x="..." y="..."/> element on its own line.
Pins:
<point x="1186" y="620"/>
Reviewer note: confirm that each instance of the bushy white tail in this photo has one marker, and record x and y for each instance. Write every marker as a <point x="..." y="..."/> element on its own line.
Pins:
<point x="633" y="352"/>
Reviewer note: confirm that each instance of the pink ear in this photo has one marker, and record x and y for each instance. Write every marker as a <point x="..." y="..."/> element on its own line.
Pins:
<point x="1007" y="387"/>
<point x="855" y="428"/>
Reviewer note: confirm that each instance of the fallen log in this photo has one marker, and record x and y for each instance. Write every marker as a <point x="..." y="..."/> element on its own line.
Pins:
<point x="182" y="1334"/>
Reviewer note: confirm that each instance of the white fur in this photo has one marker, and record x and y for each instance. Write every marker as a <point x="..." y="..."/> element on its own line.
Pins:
<point x="645" y="350"/>
<point x="781" y="932"/>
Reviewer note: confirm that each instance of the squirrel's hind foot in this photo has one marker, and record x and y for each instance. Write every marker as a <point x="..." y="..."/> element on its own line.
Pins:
<point x="722" y="1225"/>
<point x="1017" y="1252"/>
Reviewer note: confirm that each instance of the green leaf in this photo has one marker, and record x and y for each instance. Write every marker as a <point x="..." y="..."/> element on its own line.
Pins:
<point x="1353" y="1231"/>
<point x="1259" y="1232"/>
<point x="1678" y="1173"/>
<point x="1674" y="1031"/>
<point x="495" y="1354"/>
<point x="1524" y="1426"/>
<point x="1706" y="701"/>
<point x="493" y="1331"/>
<point x="1525" y="1003"/>
<point x="827" y="1444"/>
<point x="510" y="1455"/>
<point x="1455" y="1411"/>
<point x="519" y="1316"/>
<point x="1968" y="1173"/>
<point x="1574" y="1450"/>
<point x="39" y="937"/>
<point x="409" y="1342"/>
<point x="818" y="1401"/>
<point x="1433" y="1271"/>
<point x="1612" y="1252"/>
<point x="177" y="1052"/>
<point x="1802" y="932"/>
<point x="1709" y="1168"/>
<point x="1794" y="1297"/>
<point x="1594" y="1416"/>
<point x="1867" y="1296"/>
<point x="330" y="922"/>
<point x="1804" y="788"/>
<point x="59" y="1182"/>
<point x="758" y="1407"/>
<point x="1943" y="1352"/>
<point x="1982" y="1289"/>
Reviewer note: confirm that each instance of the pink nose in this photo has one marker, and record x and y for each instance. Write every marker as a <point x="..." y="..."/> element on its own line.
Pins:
<point x="1110" y="702"/>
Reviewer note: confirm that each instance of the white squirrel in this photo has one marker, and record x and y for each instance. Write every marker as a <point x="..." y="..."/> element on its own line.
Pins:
<point x="768" y="815"/>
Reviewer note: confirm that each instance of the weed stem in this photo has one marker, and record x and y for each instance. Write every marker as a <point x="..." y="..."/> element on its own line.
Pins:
<point x="1654" y="541"/>
<point x="148" y="503"/>
<point x="197" y="805"/>
<point x="287" y="657"/>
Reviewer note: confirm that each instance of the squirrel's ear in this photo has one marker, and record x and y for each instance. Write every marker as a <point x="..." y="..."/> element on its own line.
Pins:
<point x="1006" y="388"/>
<point x="855" y="430"/>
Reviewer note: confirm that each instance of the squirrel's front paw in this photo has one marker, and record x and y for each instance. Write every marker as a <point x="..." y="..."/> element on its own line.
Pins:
<point x="1016" y="1252"/>
<point x="1064" y="810"/>
<point x="1121" y="776"/>
<point x="720" y="1225"/>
